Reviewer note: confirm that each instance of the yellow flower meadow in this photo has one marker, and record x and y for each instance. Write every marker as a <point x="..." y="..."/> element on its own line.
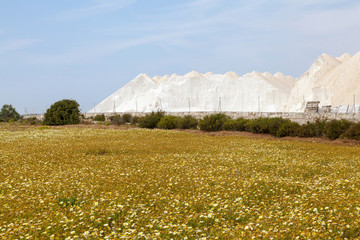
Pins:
<point x="83" y="183"/>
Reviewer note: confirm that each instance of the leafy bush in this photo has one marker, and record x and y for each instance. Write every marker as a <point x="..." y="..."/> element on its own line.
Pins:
<point x="266" y="125"/>
<point x="353" y="132"/>
<point x="315" y="129"/>
<point x="306" y="130"/>
<point x="335" y="128"/>
<point x="134" y="120"/>
<point x="254" y="125"/>
<point x="319" y="127"/>
<point x="62" y="112"/>
<point x="100" y="117"/>
<point x="32" y="121"/>
<point x="127" y="117"/>
<point x="288" y="129"/>
<point x="116" y="120"/>
<point x="280" y="127"/>
<point x="238" y="124"/>
<point x="275" y="124"/>
<point x="213" y="122"/>
<point x="187" y="122"/>
<point x="8" y="113"/>
<point x="151" y="120"/>
<point x="168" y="122"/>
<point x="119" y="120"/>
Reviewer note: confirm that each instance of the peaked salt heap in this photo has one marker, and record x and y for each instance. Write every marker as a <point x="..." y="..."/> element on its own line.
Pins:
<point x="201" y="92"/>
<point x="332" y="81"/>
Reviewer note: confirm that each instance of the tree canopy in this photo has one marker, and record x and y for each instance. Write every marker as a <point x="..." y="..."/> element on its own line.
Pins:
<point x="8" y="113"/>
<point x="62" y="113"/>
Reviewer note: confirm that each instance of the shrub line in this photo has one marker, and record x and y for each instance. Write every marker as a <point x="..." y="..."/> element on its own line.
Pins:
<point x="277" y="126"/>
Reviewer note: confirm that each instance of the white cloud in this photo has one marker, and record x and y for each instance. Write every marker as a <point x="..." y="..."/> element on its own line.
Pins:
<point x="90" y="53"/>
<point x="16" y="44"/>
<point x="243" y="25"/>
<point x="100" y="7"/>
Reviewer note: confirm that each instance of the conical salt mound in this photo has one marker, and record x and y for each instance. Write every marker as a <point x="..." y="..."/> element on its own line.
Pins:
<point x="332" y="81"/>
<point x="199" y="92"/>
<point x="343" y="82"/>
<point x="232" y="75"/>
<point x="157" y="79"/>
<point x="344" y="57"/>
<point x="307" y="87"/>
<point x="322" y="66"/>
<point x="192" y="74"/>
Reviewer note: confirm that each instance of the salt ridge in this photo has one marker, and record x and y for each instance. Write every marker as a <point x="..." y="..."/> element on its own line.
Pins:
<point x="332" y="81"/>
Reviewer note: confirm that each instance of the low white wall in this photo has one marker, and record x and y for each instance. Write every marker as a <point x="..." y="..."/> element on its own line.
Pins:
<point x="293" y="116"/>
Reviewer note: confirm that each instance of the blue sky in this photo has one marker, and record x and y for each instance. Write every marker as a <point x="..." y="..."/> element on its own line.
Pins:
<point x="87" y="49"/>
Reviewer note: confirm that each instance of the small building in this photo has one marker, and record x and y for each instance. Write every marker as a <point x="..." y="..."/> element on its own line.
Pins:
<point x="326" y="109"/>
<point x="312" y="107"/>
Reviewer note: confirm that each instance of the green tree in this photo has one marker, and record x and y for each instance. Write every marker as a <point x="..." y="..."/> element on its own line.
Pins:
<point x="8" y="113"/>
<point x="63" y="112"/>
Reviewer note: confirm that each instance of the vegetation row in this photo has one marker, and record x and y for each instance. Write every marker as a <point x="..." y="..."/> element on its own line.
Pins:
<point x="67" y="112"/>
<point x="279" y="127"/>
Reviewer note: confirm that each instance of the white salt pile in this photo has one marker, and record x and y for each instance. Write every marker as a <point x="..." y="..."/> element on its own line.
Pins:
<point x="201" y="92"/>
<point x="332" y="81"/>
